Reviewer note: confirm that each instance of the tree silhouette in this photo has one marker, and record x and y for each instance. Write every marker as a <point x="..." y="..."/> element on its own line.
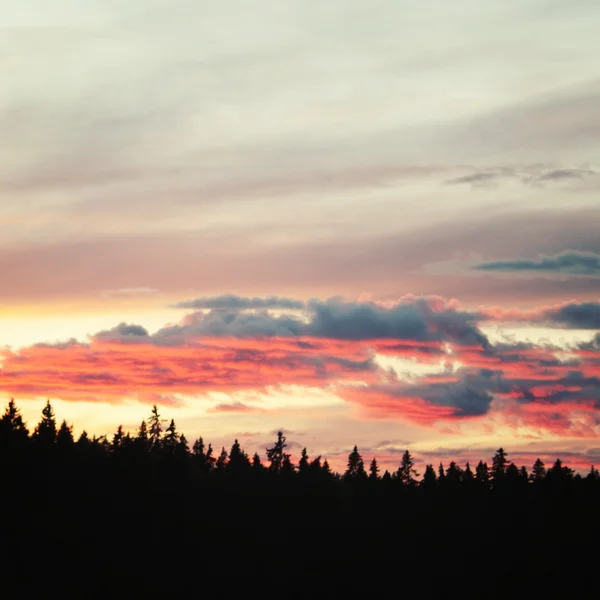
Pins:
<point x="154" y="428"/>
<point x="57" y="493"/>
<point x="303" y="463"/>
<point x="538" y="472"/>
<point x="276" y="455"/>
<point x="238" y="459"/>
<point x="44" y="434"/>
<point x="482" y="474"/>
<point x="441" y="474"/>
<point x="170" y="440"/>
<point x="406" y="473"/>
<point x="499" y="465"/>
<point x="356" y="468"/>
<point x="64" y="437"/>
<point x="429" y="477"/>
<point x="222" y="460"/>
<point x="374" y="470"/>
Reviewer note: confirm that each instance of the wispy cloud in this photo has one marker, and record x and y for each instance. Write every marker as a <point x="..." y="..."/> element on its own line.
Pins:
<point x="571" y="262"/>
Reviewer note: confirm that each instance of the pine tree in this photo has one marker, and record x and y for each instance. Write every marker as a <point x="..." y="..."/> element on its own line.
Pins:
<point x="11" y="422"/>
<point x="238" y="459"/>
<point x="593" y="476"/>
<point x="406" y="473"/>
<point x="210" y="459"/>
<point x="482" y="474"/>
<point x="45" y="432"/>
<point x="222" y="460"/>
<point x="468" y="476"/>
<point x="441" y="474"/>
<point x="303" y="464"/>
<point x="429" y="477"/>
<point x="118" y="438"/>
<point x="14" y="434"/>
<point x="154" y="428"/>
<point x="523" y="474"/>
<point x="356" y="468"/>
<point x="171" y="438"/>
<point x="453" y="474"/>
<point x="287" y="467"/>
<point x="538" y="472"/>
<point x="499" y="466"/>
<point x="374" y="470"/>
<point x="64" y="437"/>
<point x="182" y="450"/>
<point x="256" y="464"/>
<point x="276" y="455"/>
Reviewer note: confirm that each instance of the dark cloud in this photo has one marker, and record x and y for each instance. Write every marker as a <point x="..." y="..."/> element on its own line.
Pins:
<point x="233" y="302"/>
<point x="558" y="174"/>
<point x="536" y="174"/>
<point x="569" y="261"/>
<point x="471" y="394"/>
<point x="583" y="315"/>
<point x="418" y="318"/>
<point x="124" y="332"/>
<point x="477" y="179"/>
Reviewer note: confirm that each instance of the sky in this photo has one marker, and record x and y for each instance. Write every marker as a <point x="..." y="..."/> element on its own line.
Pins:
<point x="359" y="223"/>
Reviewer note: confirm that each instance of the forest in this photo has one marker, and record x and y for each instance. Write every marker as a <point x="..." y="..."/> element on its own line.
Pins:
<point x="151" y="494"/>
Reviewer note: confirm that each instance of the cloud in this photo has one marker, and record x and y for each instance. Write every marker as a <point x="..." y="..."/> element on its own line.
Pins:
<point x="477" y="179"/>
<point x="569" y="261"/>
<point x="232" y="302"/>
<point x="560" y="174"/>
<point x="568" y="315"/>
<point x="536" y="174"/>
<point x="338" y="347"/>
<point x="584" y="315"/>
<point x="234" y="407"/>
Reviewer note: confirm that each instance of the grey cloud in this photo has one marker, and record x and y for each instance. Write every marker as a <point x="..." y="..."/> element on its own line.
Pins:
<point x="416" y="320"/>
<point x="223" y="323"/>
<point x="124" y="332"/>
<point x="334" y="319"/>
<point x="569" y="261"/>
<point x="232" y="302"/>
<point x="583" y="315"/>
<point x="535" y="174"/>
<point x="558" y="174"/>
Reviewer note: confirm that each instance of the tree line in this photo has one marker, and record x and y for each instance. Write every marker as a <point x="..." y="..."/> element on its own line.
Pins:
<point x="95" y="500"/>
<point x="153" y="443"/>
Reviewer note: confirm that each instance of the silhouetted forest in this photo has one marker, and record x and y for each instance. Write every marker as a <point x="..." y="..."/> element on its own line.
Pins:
<point x="108" y="504"/>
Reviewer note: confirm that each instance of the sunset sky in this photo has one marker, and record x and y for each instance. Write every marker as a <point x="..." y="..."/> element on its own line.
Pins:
<point x="371" y="223"/>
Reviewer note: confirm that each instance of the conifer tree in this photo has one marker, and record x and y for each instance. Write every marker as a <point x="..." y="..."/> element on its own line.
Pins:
<point x="171" y="438"/>
<point x="154" y="428"/>
<point x="222" y="460"/>
<point x="482" y="474"/>
<point x="429" y="477"/>
<point x="374" y="470"/>
<point x="44" y="434"/>
<point x="406" y="473"/>
<point x="538" y="472"/>
<point x="276" y="454"/>
<point x="64" y="437"/>
<point x="499" y="466"/>
<point x="238" y="459"/>
<point x="303" y="463"/>
<point x="356" y="468"/>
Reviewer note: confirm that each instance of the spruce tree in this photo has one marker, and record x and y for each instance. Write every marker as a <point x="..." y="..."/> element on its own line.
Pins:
<point x="406" y="473"/>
